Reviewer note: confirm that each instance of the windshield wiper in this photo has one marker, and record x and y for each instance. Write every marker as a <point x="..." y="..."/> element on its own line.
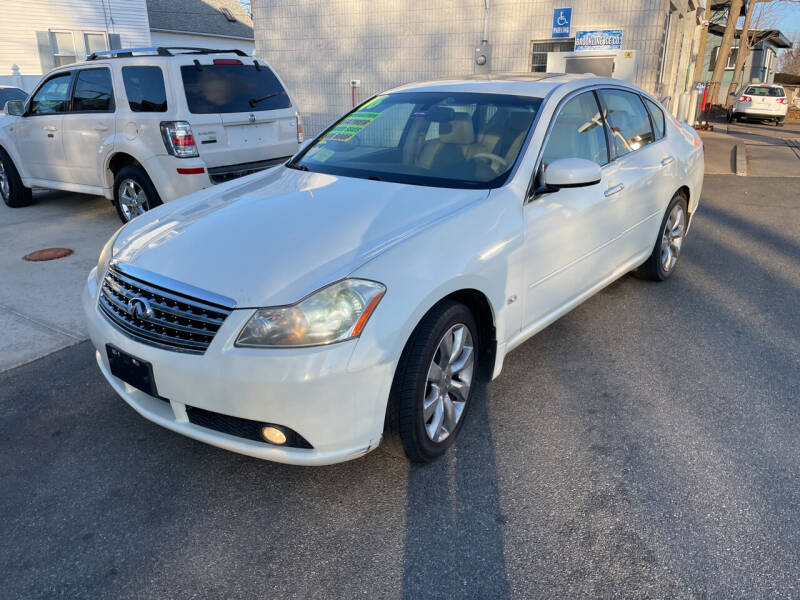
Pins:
<point x="254" y="101"/>
<point x="294" y="165"/>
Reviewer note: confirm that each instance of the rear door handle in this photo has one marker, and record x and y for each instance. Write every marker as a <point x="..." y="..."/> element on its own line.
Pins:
<point x="50" y="128"/>
<point x="613" y="190"/>
<point x="100" y="128"/>
<point x="667" y="160"/>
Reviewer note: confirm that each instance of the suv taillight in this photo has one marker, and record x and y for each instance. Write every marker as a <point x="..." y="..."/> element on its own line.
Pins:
<point x="178" y="138"/>
<point x="745" y="99"/>
<point x="299" y="128"/>
<point x="782" y="101"/>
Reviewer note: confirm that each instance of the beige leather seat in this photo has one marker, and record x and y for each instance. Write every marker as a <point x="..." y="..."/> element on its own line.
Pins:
<point x="452" y="146"/>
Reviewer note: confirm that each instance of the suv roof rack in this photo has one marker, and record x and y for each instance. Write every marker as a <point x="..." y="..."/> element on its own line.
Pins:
<point x="159" y="51"/>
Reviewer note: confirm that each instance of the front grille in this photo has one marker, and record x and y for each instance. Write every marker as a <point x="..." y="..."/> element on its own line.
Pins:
<point x="176" y="321"/>
<point x="242" y="428"/>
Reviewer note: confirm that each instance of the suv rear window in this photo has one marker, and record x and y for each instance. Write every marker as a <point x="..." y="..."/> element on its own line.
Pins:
<point x="763" y="90"/>
<point x="144" y="87"/>
<point x="232" y="88"/>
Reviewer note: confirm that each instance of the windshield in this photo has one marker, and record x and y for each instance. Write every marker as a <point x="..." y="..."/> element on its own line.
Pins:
<point x="763" y="90"/>
<point x="8" y="94"/>
<point x="440" y="139"/>
<point x="232" y="88"/>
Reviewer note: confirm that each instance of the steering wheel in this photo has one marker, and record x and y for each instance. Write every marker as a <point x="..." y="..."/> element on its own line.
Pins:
<point x="492" y="157"/>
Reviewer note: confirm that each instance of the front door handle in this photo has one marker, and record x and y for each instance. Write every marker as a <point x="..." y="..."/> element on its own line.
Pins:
<point x="667" y="160"/>
<point x="50" y="128"/>
<point x="613" y="190"/>
<point x="100" y="128"/>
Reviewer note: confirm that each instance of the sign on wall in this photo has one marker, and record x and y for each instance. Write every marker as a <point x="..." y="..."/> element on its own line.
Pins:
<point x="602" y="39"/>
<point x="561" y="22"/>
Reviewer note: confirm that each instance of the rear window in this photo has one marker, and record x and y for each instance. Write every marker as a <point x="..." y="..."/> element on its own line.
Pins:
<point x="763" y="90"/>
<point x="144" y="87"/>
<point x="657" y="117"/>
<point x="232" y="89"/>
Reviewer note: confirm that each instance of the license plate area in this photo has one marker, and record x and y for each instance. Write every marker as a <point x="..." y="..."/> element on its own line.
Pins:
<point x="131" y="370"/>
<point x="252" y="135"/>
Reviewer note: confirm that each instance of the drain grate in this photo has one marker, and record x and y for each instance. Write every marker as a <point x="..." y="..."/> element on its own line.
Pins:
<point x="48" y="254"/>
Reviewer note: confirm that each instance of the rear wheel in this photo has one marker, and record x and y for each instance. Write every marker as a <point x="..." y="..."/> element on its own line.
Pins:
<point x="134" y="193"/>
<point x="432" y="388"/>
<point x="780" y="122"/>
<point x="667" y="249"/>
<point x="14" y="194"/>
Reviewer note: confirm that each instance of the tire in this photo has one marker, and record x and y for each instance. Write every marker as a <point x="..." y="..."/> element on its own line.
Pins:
<point x="658" y="267"/>
<point x="734" y="118"/>
<point x="780" y="122"/>
<point x="134" y="193"/>
<point x="406" y="424"/>
<point x="14" y="194"/>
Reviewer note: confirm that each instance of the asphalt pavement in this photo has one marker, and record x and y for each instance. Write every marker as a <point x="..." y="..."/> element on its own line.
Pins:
<point x="643" y="446"/>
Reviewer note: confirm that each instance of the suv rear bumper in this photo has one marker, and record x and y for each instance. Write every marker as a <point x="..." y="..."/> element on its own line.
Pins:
<point x="226" y="173"/>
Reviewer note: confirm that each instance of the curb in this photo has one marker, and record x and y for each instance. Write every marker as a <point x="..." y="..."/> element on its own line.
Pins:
<point x="741" y="159"/>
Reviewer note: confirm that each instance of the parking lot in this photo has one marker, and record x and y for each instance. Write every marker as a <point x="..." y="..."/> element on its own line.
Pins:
<point x="645" y="445"/>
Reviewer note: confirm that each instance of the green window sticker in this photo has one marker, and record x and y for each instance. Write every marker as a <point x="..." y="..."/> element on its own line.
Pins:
<point x="322" y="155"/>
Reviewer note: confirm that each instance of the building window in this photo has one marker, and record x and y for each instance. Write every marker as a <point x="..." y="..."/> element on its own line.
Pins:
<point x="95" y="42"/>
<point x="731" y="58"/>
<point x="540" y="48"/>
<point x="62" y="46"/>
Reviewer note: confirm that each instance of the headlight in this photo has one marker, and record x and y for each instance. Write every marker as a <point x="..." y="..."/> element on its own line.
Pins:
<point x="333" y="314"/>
<point x="106" y="254"/>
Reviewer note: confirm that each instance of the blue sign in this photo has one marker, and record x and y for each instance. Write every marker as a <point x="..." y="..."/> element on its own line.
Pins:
<point x="603" y="39"/>
<point x="561" y="22"/>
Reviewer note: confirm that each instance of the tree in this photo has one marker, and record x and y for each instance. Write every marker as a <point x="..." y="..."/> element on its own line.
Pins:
<point x="790" y="59"/>
<point x="741" y="55"/>
<point x="725" y="45"/>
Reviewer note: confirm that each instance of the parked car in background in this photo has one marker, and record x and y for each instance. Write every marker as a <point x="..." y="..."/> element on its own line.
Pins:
<point x="144" y="126"/>
<point x="762" y="101"/>
<point x="298" y="314"/>
<point x="8" y="93"/>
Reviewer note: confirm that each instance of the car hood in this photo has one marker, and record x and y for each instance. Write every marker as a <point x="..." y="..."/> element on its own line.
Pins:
<point x="275" y="237"/>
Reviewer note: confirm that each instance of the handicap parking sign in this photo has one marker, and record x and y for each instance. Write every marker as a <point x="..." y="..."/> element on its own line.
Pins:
<point x="561" y="22"/>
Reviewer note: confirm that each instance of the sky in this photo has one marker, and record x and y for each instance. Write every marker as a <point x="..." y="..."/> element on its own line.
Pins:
<point x="787" y="17"/>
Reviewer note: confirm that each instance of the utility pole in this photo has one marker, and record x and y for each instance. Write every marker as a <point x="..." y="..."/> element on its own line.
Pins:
<point x="725" y="47"/>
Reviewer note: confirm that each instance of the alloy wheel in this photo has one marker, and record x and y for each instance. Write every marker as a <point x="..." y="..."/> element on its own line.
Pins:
<point x="132" y="199"/>
<point x="672" y="238"/>
<point x="448" y="383"/>
<point x="5" y="186"/>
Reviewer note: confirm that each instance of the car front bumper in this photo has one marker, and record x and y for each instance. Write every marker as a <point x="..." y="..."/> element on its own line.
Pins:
<point x="313" y="391"/>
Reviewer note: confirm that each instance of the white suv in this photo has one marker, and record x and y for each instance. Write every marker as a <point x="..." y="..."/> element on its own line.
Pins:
<point x="763" y="101"/>
<point x="143" y="126"/>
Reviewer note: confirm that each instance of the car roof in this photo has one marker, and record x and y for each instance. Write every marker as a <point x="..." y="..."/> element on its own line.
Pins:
<point x="522" y="84"/>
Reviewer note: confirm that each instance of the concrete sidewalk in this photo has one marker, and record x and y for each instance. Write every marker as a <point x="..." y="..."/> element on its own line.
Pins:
<point x="40" y="310"/>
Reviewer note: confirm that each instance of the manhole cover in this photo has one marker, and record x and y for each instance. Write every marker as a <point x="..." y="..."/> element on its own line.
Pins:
<point x="47" y="254"/>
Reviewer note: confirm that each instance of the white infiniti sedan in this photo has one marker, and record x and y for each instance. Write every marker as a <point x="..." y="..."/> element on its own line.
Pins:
<point x="303" y="313"/>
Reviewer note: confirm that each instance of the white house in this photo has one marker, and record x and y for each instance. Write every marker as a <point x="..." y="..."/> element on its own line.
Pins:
<point x="38" y="35"/>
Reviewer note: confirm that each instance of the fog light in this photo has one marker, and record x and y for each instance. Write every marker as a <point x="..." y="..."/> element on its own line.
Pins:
<point x="273" y="435"/>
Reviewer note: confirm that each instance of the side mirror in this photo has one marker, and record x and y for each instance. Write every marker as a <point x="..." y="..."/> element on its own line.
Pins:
<point x="571" y="172"/>
<point x="15" y="108"/>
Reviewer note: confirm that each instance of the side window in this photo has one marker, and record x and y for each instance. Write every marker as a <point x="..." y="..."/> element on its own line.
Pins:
<point x="145" y="89"/>
<point x="577" y="132"/>
<point x="52" y="97"/>
<point x="628" y="120"/>
<point x="93" y="91"/>
<point x="657" y="115"/>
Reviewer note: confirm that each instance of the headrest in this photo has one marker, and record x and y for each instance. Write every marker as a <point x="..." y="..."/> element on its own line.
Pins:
<point x="457" y="131"/>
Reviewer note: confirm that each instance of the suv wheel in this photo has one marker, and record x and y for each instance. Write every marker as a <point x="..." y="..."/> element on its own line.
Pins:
<point x="433" y="385"/>
<point x="134" y="193"/>
<point x="13" y="192"/>
<point x="780" y="122"/>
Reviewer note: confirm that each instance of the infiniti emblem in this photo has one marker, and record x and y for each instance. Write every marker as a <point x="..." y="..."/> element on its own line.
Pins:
<point x="252" y="118"/>
<point x="139" y="308"/>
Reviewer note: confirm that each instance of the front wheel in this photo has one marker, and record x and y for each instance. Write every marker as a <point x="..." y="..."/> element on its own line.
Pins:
<point x="432" y="388"/>
<point x="134" y="193"/>
<point x="14" y="194"/>
<point x="667" y="249"/>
